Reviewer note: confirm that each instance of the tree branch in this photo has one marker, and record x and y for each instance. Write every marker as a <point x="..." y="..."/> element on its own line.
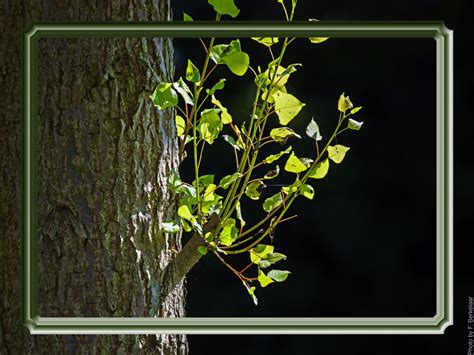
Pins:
<point x="184" y="261"/>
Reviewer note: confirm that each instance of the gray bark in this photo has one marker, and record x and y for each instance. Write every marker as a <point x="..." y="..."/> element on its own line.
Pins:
<point x="103" y="157"/>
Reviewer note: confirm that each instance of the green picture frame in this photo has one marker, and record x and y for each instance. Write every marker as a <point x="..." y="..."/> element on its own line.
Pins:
<point x="307" y="325"/>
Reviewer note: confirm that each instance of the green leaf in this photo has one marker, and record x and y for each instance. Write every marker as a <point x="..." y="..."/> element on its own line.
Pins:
<point x="306" y="161"/>
<point x="224" y="7"/>
<point x="229" y="232"/>
<point x="274" y="157"/>
<point x="185" y="212"/>
<point x="238" y="212"/>
<point x="202" y="250"/>
<point x="192" y="73"/>
<point x="278" y="275"/>
<point x="272" y="202"/>
<point x="287" y="190"/>
<point x="271" y="174"/>
<point x="237" y="62"/>
<point x="355" y="110"/>
<point x="219" y="51"/>
<point x="183" y="89"/>
<point x="170" y="227"/>
<point x="253" y="189"/>
<point x="266" y="41"/>
<point x="263" y="279"/>
<point x="180" y="125"/>
<point x="344" y="103"/>
<point x="217" y="86"/>
<point x="210" y="125"/>
<point x="231" y="141"/>
<point x="226" y="118"/>
<point x="320" y="170"/>
<point x="354" y="125"/>
<point x="286" y="107"/>
<point x="312" y="130"/>
<point x="226" y="181"/>
<point x="204" y="180"/>
<point x="294" y="165"/>
<point x="337" y="153"/>
<point x="164" y="96"/>
<point x="251" y="291"/>
<point x="174" y="181"/>
<point x="307" y="191"/>
<point x="187" y="189"/>
<point x="260" y="252"/>
<point x="279" y="79"/>
<point x="209" y="192"/>
<point x="186" y="17"/>
<point x="275" y="257"/>
<point x="186" y="226"/>
<point x="282" y="134"/>
<point x="318" y="39"/>
<point x="268" y="95"/>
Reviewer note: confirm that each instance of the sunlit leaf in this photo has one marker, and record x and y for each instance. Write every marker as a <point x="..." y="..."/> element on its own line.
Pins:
<point x="186" y="17"/>
<point x="320" y="170"/>
<point x="281" y="134"/>
<point x="318" y="39"/>
<point x="164" y="96"/>
<point x="337" y="153"/>
<point x="237" y="62"/>
<point x="202" y="250"/>
<point x="225" y="115"/>
<point x="204" y="180"/>
<point x="253" y="189"/>
<point x="272" y="173"/>
<point x="266" y="41"/>
<point x="226" y="181"/>
<point x="183" y="89"/>
<point x="275" y="157"/>
<point x="286" y="107"/>
<point x="185" y="212"/>
<point x="287" y="190"/>
<point x="312" y="130"/>
<point x="251" y="291"/>
<point x="180" y="125"/>
<point x="192" y="73"/>
<point x="355" y="110"/>
<point x="295" y="165"/>
<point x="344" y="103"/>
<point x="229" y="232"/>
<point x="210" y="125"/>
<point x="307" y="191"/>
<point x="238" y="212"/>
<point x="217" y="86"/>
<point x="263" y="279"/>
<point x="272" y="202"/>
<point x="260" y="252"/>
<point x="354" y="125"/>
<point x="231" y="141"/>
<point x="278" y="275"/>
<point x="224" y="7"/>
<point x="170" y="227"/>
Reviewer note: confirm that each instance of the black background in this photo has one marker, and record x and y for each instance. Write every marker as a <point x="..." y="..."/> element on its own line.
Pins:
<point x="365" y="246"/>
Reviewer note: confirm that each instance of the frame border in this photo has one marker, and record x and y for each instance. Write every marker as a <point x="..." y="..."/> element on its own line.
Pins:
<point x="307" y="325"/>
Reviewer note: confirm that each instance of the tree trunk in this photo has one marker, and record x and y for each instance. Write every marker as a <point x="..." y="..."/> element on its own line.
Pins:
<point x="103" y="157"/>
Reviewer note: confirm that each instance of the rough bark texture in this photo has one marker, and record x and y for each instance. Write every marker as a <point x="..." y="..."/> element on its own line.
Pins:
<point x="103" y="157"/>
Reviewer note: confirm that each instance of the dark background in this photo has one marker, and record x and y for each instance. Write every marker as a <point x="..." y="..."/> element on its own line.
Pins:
<point x="365" y="246"/>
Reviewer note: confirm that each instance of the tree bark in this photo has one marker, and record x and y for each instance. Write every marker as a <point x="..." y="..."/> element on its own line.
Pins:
<point x="103" y="157"/>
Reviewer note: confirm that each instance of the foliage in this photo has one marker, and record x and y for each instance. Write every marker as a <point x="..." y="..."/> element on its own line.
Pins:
<point x="203" y="119"/>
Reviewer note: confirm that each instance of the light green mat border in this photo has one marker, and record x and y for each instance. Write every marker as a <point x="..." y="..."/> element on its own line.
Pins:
<point x="305" y="325"/>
